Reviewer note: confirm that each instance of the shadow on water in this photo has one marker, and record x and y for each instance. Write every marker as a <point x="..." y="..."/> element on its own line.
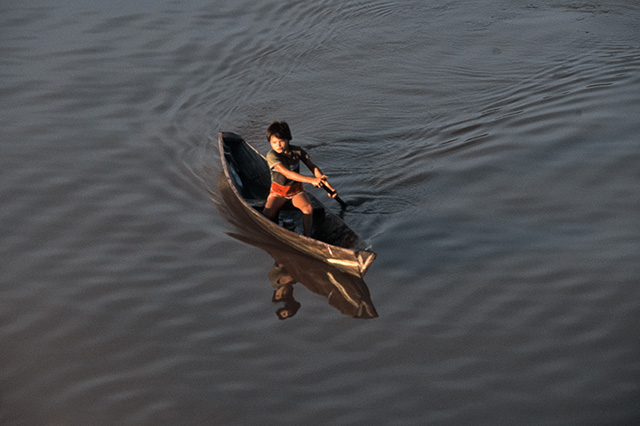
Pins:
<point x="345" y="292"/>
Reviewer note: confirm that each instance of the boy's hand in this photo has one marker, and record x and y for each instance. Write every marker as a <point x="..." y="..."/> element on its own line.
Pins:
<point x="331" y="191"/>
<point x="317" y="182"/>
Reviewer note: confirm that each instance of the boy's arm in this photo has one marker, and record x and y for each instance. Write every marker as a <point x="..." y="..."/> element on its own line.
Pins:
<point x="314" y="169"/>
<point x="315" y="181"/>
<point x="331" y="191"/>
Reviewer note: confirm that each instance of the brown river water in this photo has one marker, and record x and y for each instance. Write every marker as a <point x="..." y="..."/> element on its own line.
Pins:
<point x="489" y="153"/>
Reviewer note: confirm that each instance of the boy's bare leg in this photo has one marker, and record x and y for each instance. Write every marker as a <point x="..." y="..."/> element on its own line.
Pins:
<point x="301" y="202"/>
<point x="273" y="206"/>
<point x="307" y="222"/>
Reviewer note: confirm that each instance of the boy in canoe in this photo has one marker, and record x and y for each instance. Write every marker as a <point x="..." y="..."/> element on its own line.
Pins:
<point x="286" y="181"/>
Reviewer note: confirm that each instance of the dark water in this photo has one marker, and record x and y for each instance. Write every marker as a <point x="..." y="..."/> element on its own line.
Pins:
<point x="490" y="153"/>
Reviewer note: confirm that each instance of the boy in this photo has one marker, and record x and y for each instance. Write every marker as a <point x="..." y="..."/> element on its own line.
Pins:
<point x="286" y="180"/>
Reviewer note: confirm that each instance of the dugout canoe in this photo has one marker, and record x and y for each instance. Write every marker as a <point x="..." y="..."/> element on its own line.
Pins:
<point x="247" y="174"/>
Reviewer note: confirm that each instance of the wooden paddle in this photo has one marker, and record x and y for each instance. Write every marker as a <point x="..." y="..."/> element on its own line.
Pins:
<point x="333" y="193"/>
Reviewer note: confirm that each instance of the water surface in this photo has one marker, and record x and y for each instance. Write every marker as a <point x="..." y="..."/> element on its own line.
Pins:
<point x="490" y="155"/>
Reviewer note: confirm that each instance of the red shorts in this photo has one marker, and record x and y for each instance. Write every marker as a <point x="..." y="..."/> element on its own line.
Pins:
<point x="287" y="192"/>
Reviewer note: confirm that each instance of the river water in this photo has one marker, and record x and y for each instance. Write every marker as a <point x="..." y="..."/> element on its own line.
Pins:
<point x="489" y="153"/>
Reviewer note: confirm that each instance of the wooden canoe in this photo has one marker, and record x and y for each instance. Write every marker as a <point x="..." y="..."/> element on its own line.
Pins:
<point x="332" y="241"/>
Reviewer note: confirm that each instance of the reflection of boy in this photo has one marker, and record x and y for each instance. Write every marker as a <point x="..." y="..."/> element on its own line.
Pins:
<point x="283" y="284"/>
<point x="279" y="277"/>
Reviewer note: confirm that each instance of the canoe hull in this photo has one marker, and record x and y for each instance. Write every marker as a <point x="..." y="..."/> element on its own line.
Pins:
<point x="246" y="183"/>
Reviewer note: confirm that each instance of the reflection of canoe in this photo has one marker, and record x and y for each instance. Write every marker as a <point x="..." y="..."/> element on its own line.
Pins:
<point x="345" y="292"/>
<point x="331" y="241"/>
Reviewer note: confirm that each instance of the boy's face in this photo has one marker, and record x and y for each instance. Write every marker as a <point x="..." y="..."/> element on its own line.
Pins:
<point x="279" y="145"/>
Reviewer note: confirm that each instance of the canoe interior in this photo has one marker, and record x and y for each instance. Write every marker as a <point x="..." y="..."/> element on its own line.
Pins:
<point x="249" y="173"/>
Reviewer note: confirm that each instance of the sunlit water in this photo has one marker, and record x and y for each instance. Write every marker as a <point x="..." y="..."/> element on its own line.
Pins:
<point x="489" y="153"/>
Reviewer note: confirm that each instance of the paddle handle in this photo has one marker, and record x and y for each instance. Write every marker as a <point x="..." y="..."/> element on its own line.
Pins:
<point x="334" y="194"/>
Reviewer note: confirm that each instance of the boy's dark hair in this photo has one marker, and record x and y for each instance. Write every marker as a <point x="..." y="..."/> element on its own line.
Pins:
<point x="279" y="129"/>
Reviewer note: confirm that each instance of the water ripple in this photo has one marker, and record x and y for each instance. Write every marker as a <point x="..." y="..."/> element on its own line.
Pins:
<point x="490" y="152"/>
